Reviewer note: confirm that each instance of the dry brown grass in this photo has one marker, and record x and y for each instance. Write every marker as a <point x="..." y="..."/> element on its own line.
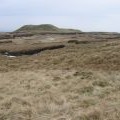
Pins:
<point x="78" y="82"/>
<point x="59" y="94"/>
<point x="97" y="56"/>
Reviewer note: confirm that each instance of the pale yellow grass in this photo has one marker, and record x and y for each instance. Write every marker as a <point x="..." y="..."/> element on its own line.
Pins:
<point x="59" y="95"/>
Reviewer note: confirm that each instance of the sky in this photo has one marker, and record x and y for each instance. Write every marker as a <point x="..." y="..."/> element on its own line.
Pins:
<point x="86" y="15"/>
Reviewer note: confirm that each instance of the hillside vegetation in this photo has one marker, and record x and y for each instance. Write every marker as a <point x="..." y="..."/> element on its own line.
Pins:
<point x="44" y="28"/>
<point x="67" y="77"/>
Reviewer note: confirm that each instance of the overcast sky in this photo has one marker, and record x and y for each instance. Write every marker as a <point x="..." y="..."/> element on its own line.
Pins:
<point x="86" y="15"/>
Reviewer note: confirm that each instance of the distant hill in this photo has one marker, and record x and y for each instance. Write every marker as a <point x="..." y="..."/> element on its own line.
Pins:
<point x="44" y="28"/>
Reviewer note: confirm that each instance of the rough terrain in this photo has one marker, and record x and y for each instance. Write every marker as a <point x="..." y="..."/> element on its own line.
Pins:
<point x="80" y="81"/>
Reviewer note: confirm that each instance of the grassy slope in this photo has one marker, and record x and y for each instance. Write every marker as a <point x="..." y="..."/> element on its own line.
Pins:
<point x="96" y="56"/>
<point x="44" y="28"/>
<point x="60" y="94"/>
<point x="82" y="82"/>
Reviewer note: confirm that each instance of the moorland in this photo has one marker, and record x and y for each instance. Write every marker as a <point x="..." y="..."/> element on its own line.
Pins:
<point x="50" y="73"/>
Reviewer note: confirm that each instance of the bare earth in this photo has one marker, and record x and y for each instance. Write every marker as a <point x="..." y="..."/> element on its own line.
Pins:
<point x="80" y="81"/>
